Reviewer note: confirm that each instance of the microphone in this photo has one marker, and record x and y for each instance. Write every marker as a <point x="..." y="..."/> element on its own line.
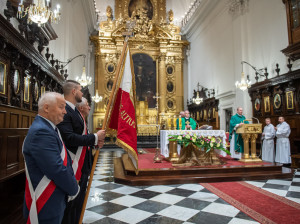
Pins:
<point x="256" y="119"/>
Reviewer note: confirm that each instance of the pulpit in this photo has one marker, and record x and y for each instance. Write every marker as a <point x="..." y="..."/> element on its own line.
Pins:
<point x="250" y="132"/>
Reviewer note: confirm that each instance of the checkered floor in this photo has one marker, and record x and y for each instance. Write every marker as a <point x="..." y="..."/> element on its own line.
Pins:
<point x="185" y="203"/>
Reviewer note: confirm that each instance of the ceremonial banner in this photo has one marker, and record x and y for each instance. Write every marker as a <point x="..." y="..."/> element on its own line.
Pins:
<point x="122" y="118"/>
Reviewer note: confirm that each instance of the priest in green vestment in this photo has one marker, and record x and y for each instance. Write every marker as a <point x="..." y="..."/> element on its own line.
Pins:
<point x="188" y="123"/>
<point x="236" y="140"/>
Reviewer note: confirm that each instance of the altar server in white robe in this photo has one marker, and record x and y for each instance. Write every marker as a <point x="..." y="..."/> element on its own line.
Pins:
<point x="283" y="150"/>
<point x="268" y="136"/>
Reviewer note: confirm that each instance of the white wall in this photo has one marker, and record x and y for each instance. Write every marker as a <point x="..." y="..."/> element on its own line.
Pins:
<point x="73" y="36"/>
<point x="219" y="42"/>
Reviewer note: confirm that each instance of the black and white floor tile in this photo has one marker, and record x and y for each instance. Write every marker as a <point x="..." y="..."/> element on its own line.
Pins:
<point x="111" y="203"/>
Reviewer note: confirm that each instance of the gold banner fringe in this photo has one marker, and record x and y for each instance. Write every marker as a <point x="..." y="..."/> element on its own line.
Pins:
<point x="130" y="151"/>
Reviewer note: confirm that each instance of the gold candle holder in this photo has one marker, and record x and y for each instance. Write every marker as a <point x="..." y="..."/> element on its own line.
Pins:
<point x="174" y="122"/>
<point x="169" y="123"/>
<point x="173" y="155"/>
<point x="180" y="122"/>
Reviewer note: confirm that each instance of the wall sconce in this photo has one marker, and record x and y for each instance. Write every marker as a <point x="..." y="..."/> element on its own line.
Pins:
<point x="84" y="80"/>
<point x="39" y="12"/>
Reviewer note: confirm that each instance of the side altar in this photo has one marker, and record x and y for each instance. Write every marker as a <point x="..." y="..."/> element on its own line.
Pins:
<point x="157" y="51"/>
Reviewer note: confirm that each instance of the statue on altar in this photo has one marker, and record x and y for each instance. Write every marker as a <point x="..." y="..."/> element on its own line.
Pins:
<point x="186" y="122"/>
<point x="236" y="140"/>
<point x="143" y="25"/>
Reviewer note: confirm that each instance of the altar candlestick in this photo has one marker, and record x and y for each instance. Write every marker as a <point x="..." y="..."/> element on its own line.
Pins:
<point x="174" y="122"/>
<point x="180" y="122"/>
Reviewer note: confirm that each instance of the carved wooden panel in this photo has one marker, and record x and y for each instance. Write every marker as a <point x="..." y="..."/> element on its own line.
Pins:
<point x="11" y="159"/>
<point x="14" y="120"/>
<point x="25" y="121"/>
<point x="284" y="100"/>
<point x="2" y="119"/>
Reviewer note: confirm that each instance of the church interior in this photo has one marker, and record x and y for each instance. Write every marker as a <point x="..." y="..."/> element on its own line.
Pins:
<point x="211" y="58"/>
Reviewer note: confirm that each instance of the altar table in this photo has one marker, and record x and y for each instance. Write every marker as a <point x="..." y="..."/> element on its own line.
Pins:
<point x="164" y="139"/>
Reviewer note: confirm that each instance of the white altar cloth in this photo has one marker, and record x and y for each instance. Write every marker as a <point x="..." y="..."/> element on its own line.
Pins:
<point x="164" y="139"/>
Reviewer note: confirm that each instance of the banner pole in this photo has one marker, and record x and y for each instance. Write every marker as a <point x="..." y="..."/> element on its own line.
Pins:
<point x="108" y="110"/>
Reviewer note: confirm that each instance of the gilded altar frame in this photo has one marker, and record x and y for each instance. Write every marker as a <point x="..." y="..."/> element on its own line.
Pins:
<point x="157" y="37"/>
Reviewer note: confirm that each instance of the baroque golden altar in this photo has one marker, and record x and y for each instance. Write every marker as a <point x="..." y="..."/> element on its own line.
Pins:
<point x="157" y="51"/>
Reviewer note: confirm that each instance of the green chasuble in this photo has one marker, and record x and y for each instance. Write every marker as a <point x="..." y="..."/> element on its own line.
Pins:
<point x="184" y="121"/>
<point x="238" y="140"/>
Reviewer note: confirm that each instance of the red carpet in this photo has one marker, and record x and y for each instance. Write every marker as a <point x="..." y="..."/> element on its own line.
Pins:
<point x="261" y="205"/>
<point x="146" y="162"/>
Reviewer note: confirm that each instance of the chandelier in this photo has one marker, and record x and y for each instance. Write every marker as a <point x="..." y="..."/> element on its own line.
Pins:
<point x="39" y="12"/>
<point x="84" y="80"/>
<point x="197" y="100"/>
<point x="244" y="84"/>
<point x="97" y="98"/>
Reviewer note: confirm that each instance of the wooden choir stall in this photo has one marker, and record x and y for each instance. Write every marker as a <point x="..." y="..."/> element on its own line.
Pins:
<point x="24" y="75"/>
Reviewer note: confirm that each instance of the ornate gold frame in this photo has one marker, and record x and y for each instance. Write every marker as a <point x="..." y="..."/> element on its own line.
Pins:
<point x="106" y="67"/>
<point x="4" y="77"/>
<point x="43" y="90"/>
<point x="267" y="99"/>
<point x="259" y="103"/>
<point x="274" y="104"/>
<point x="173" y="67"/>
<point x="291" y="94"/>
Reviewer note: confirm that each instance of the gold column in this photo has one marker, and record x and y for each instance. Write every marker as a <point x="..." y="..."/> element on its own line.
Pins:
<point x="162" y="83"/>
<point x="253" y="145"/>
<point x="179" y="83"/>
<point x="253" y="148"/>
<point x="246" y="146"/>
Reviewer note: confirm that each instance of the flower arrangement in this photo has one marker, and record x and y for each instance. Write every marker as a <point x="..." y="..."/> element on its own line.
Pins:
<point x="209" y="142"/>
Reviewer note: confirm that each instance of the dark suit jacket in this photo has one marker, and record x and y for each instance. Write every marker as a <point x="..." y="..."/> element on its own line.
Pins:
<point x="42" y="148"/>
<point x="71" y="130"/>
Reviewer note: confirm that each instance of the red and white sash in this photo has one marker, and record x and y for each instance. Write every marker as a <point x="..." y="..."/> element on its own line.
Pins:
<point x="36" y="199"/>
<point x="78" y="158"/>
